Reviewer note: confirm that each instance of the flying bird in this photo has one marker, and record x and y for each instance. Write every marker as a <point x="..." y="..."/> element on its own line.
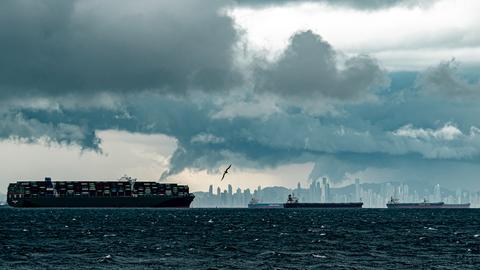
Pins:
<point x="226" y="171"/>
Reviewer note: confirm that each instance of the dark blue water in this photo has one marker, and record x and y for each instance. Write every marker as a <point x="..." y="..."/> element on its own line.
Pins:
<point x="239" y="239"/>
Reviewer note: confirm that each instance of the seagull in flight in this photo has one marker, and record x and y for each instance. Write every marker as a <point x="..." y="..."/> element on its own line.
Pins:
<point x="226" y="171"/>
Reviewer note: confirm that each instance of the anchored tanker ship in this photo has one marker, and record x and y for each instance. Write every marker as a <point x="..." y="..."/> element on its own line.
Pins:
<point x="255" y="204"/>
<point x="394" y="203"/>
<point x="292" y="202"/>
<point x="126" y="192"/>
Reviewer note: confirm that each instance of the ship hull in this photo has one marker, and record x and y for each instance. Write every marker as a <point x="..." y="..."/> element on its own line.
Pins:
<point x="323" y="205"/>
<point x="265" y="205"/>
<point x="306" y="205"/>
<point x="112" y="194"/>
<point x="439" y="205"/>
<point x="105" y="202"/>
<point x="457" y="206"/>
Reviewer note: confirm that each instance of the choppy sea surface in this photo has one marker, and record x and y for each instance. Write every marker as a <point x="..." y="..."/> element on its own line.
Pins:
<point x="239" y="239"/>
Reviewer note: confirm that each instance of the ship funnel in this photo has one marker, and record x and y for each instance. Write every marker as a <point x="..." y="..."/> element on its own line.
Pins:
<point x="48" y="181"/>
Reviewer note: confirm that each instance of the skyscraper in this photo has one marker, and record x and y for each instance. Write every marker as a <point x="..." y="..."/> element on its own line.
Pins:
<point x="318" y="192"/>
<point x="325" y="189"/>
<point x="437" y="196"/>
<point x="230" y="195"/>
<point x="357" y="190"/>
<point x="311" y="192"/>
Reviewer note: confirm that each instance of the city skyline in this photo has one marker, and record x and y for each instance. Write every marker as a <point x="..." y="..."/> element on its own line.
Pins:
<point x="319" y="191"/>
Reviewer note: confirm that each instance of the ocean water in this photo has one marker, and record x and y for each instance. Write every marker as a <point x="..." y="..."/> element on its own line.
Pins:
<point x="239" y="239"/>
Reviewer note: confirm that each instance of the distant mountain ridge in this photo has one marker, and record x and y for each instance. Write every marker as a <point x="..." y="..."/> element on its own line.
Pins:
<point x="422" y="188"/>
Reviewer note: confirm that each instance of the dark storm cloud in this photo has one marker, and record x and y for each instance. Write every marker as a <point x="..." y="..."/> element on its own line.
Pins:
<point x="203" y="142"/>
<point x="17" y="126"/>
<point x="52" y="48"/>
<point x="308" y="68"/>
<point x="140" y="50"/>
<point x="445" y="80"/>
<point x="82" y="48"/>
<point x="390" y="128"/>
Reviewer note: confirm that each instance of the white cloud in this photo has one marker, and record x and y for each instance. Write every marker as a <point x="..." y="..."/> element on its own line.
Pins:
<point x="206" y="138"/>
<point x="441" y="30"/>
<point x="447" y="142"/>
<point x="420" y="58"/>
<point x="447" y="132"/>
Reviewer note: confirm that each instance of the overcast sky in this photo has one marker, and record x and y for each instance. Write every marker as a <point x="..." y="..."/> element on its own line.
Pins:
<point x="286" y="91"/>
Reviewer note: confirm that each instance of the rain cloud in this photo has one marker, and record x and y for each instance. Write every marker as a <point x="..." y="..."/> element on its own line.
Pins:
<point x="148" y="59"/>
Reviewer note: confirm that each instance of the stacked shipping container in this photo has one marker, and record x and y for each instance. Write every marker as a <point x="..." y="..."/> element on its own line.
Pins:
<point x="33" y="189"/>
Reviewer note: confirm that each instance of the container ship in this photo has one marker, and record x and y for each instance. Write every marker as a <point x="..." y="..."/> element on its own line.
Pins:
<point x="126" y="192"/>
<point x="395" y="204"/>
<point x="292" y="202"/>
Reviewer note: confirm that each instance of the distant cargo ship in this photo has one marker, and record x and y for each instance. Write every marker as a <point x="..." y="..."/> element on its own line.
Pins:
<point x="126" y="192"/>
<point x="394" y="203"/>
<point x="255" y="204"/>
<point x="292" y="202"/>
